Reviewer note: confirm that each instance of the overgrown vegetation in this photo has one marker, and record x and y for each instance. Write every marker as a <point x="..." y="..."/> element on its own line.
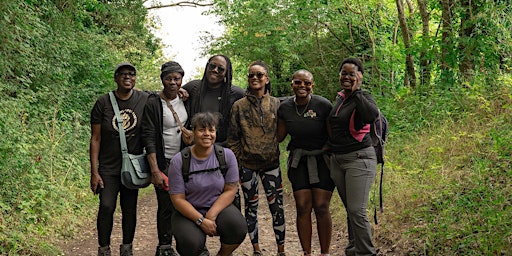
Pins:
<point x="447" y="182"/>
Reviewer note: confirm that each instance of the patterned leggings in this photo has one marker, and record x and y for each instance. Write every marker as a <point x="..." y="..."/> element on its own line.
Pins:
<point x="272" y="184"/>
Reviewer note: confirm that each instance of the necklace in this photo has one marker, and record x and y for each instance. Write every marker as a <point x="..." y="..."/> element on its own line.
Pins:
<point x="305" y="108"/>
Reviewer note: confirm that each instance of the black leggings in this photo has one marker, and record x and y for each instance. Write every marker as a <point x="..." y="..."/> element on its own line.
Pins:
<point x="108" y="201"/>
<point x="190" y="238"/>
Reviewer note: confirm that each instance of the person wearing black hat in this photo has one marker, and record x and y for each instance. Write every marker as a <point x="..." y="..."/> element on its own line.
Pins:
<point x="105" y="156"/>
<point x="162" y="137"/>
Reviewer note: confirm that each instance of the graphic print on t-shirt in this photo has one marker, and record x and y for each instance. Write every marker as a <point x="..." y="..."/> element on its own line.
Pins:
<point x="129" y="120"/>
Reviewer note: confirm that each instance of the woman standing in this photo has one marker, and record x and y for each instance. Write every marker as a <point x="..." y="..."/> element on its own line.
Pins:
<point x="304" y="118"/>
<point x="253" y="138"/>
<point x="105" y="157"/>
<point x="161" y="135"/>
<point x="353" y="159"/>
<point x="204" y="199"/>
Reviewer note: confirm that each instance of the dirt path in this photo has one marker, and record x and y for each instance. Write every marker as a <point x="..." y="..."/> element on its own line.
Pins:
<point x="85" y="243"/>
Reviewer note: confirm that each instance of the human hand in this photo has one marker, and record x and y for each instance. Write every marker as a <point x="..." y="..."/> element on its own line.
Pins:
<point x="209" y="227"/>
<point x="358" y="82"/>
<point x="96" y="184"/>
<point x="183" y="94"/>
<point x="157" y="179"/>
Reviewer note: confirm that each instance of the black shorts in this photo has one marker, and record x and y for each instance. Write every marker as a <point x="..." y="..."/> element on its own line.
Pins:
<point x="299" y="176"/>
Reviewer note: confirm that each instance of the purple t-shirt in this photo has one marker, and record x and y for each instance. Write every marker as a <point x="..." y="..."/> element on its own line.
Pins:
<point x="202" y="189"/>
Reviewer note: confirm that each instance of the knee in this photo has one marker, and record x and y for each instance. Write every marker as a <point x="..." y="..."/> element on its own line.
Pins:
<point x="107" y="207"/>
<point x="303" y="210"/>
<point x="322" y="209"/>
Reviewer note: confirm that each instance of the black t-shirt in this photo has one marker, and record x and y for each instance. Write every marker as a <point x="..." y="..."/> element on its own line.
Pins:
<point x="306" y="126"/>
<point x="131" y="111"/>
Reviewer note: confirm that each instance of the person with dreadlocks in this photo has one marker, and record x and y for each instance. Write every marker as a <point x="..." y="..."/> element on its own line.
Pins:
<point x="253" y="138"/>
<point x="215" y="93"/>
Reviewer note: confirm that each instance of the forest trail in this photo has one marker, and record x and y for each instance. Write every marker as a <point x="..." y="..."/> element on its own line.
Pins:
<point x="85" y="242"/>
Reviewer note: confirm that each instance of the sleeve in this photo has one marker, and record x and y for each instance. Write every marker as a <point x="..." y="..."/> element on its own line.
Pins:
<point x="97" y="111"/>
<point x="176" y="182"/>
<point x="234" y="133"/>
<point x="366" y="106"/>
<point x="232" y="173"/>
<point x="149" y="129"/>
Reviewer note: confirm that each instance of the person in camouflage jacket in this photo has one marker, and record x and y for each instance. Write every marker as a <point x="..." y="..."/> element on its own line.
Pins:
<point x="252" y="136"/>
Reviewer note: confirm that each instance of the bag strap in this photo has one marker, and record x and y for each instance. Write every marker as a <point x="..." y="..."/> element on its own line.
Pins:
<point x="169" y="105"/>
<point x="221" y="157"/>
<point x="185" y="162"/>
<point x="120" y="121"/>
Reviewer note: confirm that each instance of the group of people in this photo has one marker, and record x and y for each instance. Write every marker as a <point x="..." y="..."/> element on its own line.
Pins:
<point x="184" y="129"/>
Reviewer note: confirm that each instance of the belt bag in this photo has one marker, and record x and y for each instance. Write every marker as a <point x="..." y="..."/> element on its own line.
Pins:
<point x="135" y="171"/>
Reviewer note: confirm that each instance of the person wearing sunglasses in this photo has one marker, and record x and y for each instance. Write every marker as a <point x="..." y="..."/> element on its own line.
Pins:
<point x="304" y="118"/>
<point x="105" y="156"/>
<point x="215" y="93"/>
<point x="353" y="159"/>
<point x="252" y="137"/>
<point x="162" y="137"/>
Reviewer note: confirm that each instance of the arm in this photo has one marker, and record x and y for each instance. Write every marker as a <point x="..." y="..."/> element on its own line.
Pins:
<point x="234" y="138"/>
<point x="94" y="151"/>
<point x="281" y="130"/>
<point x="224" y="200"/>
<point x="149" y="137"/>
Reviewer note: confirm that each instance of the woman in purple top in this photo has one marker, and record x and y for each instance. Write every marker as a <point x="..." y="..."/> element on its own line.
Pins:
<point x="204" y="202"/>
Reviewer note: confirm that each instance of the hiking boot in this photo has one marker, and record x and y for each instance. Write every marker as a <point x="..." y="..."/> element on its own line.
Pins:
<point x="165" y="250"/>
<point x="126" y="250"/>
<point x="104" y="251"/>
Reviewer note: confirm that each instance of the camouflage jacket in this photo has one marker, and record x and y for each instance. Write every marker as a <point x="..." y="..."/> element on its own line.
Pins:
<point x="252" y="133"/>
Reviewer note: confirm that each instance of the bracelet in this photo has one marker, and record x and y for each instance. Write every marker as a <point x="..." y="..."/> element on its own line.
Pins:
<point x="200" y="221"/>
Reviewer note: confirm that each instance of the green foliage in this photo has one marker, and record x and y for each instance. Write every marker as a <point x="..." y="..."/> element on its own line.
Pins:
<point x="58" y="58"/>
<point x="450" y="162"/>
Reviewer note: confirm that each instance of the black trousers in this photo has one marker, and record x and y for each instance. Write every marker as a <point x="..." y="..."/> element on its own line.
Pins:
<point x="108" y="202"/>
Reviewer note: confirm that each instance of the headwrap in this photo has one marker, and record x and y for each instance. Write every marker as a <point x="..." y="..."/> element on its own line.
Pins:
<point x="171" y="67"/>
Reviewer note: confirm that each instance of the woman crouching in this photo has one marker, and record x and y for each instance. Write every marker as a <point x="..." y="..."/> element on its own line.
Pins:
<point x="203" y="198"/>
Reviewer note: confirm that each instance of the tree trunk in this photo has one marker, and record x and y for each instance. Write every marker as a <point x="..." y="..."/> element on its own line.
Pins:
<point x="406" y="36"/>
<point x="447" y="52"/>
<point x="425" y="67"/>
<point x="466" y="44"/>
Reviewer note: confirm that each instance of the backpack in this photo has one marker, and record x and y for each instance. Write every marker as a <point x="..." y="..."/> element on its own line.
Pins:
<point x="185" y="159"/>
<point x="223" y="167"/>
<point x="379" y="134"/>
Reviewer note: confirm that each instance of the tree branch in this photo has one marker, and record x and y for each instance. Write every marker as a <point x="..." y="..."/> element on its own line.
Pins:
<point x="181" y="4"/>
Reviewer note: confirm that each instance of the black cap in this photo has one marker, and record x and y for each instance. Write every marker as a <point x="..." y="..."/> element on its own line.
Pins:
<point x="122" y="65"/>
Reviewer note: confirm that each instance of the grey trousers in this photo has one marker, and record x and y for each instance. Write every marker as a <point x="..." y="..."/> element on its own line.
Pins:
<point x="353" y="174"/>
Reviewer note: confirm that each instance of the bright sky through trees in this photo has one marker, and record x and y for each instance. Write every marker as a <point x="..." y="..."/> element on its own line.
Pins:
<point x="181" y="28"/>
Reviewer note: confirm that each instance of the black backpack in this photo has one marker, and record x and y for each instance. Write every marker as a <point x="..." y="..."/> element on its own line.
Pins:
<point x="379" y="135"/>
<point x="185" y="159"/>
<point x="223" y="167"/>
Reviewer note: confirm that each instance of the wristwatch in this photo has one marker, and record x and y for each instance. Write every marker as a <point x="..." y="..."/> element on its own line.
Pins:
<point x="200" y="221"/>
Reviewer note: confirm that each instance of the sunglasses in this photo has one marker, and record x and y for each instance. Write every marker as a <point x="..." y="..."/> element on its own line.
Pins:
<point x="259" y="75"/>
<point x="212" y="67"/>
<point x="130" y="74"/>
<point x="299" y="82"/>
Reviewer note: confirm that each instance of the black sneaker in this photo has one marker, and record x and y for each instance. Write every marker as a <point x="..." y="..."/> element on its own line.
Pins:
<point x="166" y="250"/>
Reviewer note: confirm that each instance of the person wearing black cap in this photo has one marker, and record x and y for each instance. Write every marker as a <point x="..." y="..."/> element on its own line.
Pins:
<point x="105" y="157"/>
<point x="162" y="137"/>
